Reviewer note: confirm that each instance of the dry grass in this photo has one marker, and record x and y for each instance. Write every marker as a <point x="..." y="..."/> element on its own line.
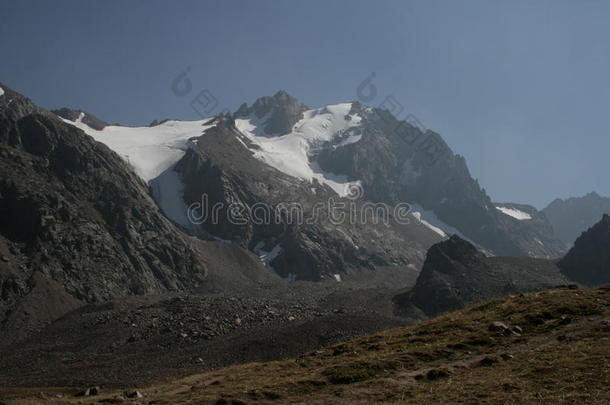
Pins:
<point x="562" y="356"/>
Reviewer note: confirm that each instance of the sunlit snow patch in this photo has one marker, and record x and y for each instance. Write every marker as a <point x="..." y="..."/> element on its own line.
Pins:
<point x="515" y="213"/>
<point x="1" y="91"/>
<point x="290" y="153"/>
<point x="150" y="150"/>
<point x="153" y="152"/>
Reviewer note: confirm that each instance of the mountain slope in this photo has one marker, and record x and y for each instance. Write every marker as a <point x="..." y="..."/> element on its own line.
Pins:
<point x="572" y="216"/>
<point x="588" y="262"/>
<point x="393" y="161"/>
<point x="77" y="225"/>
<point x="549" y="346"/>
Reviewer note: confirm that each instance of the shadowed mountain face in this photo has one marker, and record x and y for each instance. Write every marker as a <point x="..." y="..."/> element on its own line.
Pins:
<point x="573" y="216"/>
<point x="456" y="274"/>
<point x="588" y="262"/>
<point x="76" y="224"/>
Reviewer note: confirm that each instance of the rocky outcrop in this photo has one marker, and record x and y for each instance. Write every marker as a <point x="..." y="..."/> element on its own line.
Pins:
<point x="456" y="274"/>
<point x="588" y="262"/>
<point x="279" y="112"/>
<point x="573" y="216"/>
<point x="87" y="118"/>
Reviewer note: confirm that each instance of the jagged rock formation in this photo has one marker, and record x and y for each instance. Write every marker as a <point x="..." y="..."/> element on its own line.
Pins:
<point x="572" y="216"/>
<point x="588" y="262"/>
<point x="281" y="111"/>
<point x="456" y="274"/>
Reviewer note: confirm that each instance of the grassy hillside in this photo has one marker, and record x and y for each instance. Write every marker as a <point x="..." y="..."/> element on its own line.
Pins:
<point x="553" y="347"/>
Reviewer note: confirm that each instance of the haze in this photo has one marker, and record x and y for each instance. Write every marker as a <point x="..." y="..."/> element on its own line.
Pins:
<point x="519" y="88"/>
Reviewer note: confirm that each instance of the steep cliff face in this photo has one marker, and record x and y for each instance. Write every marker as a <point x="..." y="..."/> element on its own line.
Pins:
<point x="573" y="216"/>
<point x="456" y="274"/>
<point x="76" y="224"/>
<point x="588" y="262"/>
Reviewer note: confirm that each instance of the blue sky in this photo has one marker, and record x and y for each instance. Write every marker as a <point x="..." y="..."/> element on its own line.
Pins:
<point x="520" y="88"/>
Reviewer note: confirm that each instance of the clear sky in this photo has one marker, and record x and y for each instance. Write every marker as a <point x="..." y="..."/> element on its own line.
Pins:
<point x="520" y="88"/>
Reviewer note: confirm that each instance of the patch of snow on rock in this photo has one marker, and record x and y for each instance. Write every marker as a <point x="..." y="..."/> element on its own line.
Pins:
<point x="515" y="213"/>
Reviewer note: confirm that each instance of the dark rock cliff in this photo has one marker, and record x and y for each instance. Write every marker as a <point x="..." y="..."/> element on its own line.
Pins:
<point x="588" y="262"/>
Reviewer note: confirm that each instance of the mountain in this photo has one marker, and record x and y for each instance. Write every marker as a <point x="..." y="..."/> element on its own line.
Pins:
<point x="456" y="275"/>
<point x="186" y="246"/>
<point x="549" y="346"/>
<point x="588" y="262"/>
<point x="339" y="161"/>
<point x="572" y="216"/>
<point x="78" y="226"/>
<point x="301" y="221"/>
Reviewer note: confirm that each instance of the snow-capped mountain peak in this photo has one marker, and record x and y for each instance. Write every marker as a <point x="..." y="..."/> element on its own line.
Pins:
<point x="292" y="153"/>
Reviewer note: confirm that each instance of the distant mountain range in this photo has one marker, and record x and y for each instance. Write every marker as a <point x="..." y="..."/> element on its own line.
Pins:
<point x="572" y="216"/>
